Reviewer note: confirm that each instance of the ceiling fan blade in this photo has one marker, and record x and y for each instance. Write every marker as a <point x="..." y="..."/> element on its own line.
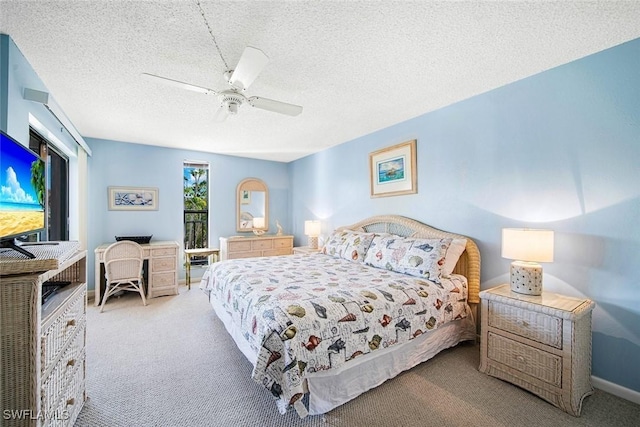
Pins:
<point x="181" y="85"/>
<point x="251" y="63"/>
<point x="275" y="106"/>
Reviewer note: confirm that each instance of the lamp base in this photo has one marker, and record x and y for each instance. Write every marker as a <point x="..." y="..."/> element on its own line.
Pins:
<point x="313" y="242"/>
<point x="526" y="278"/>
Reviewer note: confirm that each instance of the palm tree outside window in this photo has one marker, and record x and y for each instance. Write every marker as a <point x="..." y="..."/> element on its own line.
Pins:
<point x="196" y="207"/>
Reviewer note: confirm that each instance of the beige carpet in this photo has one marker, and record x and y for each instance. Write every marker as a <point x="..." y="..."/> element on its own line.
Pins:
<point x="172" y="363"/>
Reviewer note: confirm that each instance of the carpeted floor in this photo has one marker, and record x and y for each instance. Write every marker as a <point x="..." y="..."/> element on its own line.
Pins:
<point x="172" y="363"/>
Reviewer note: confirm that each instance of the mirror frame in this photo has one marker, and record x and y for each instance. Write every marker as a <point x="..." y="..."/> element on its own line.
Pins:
<point x="252" y="184"/>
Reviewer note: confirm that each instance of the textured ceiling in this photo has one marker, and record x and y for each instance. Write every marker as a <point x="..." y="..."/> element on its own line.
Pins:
<point x="355" y="66"/>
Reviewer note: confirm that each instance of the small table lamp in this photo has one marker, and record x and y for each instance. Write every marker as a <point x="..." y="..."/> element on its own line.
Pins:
<point x="527" y="247"/>
<point x="312" y="229"/>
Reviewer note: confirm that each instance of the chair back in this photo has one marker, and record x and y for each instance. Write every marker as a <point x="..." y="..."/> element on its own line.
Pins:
<point x="123" y="261"/>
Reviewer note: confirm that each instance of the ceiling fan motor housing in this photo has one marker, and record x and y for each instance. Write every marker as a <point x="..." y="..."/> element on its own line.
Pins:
<point x="232" y="101"/>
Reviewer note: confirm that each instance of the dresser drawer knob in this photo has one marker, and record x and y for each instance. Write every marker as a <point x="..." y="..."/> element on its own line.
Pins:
<point x="520" y="359"/>
<point x="71" y="362"/>
<point x="71" y="322"/>
<point x="524" y="323"/>
<point x="71" y="401"/>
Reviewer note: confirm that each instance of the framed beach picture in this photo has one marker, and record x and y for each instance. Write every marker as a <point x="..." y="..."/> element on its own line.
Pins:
<point x="393" y="170"/>
<point x="133" y="198"/>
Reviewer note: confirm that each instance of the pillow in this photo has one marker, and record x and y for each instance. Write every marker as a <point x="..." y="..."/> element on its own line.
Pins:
<point x="408" y="255"/>
<point x="453" y="255"/>
<point x="350" y="245"/>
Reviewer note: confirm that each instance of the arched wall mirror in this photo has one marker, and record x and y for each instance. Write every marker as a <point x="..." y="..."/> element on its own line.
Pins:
<point x="252" y="205"/>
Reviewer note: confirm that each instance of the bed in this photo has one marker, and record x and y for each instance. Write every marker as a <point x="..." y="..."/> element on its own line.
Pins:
<point x="383" y="295"/>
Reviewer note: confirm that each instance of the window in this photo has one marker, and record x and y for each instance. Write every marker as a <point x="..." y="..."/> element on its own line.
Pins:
<point x="196" y="207"/>
<point x="57" y="179"/>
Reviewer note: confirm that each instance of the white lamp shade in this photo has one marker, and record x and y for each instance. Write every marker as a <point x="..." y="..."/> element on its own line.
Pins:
<point x="258" y="222"/>
<point x="312" y="228"/>
<point x="526" y="244"/>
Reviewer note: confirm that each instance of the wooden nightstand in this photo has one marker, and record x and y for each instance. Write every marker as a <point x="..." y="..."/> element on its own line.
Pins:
<point x="540" y="343"/>
<point x="305" y="250"/>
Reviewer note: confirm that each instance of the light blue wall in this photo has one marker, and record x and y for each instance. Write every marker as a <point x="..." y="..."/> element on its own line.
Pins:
<point x="558" y="150"/>
<point x="126" y="164"/>
<point x="16" y="74"/>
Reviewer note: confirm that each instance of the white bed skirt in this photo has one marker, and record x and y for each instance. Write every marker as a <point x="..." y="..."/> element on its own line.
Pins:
<point x="330" y="389"/>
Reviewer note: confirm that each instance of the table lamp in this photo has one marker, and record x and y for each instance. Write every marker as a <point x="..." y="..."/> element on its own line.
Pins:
<point x="312" y="229"/>
<point x="527" y="247"/>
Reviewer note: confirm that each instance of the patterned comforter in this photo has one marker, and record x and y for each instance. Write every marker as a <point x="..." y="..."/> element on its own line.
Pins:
<point x="303" y="314"/>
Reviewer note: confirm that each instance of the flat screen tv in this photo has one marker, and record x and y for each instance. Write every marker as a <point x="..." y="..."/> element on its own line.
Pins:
<point x="22" y="193"/>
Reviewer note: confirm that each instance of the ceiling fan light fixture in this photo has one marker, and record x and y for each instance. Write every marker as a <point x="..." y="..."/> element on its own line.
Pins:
<point x="232" y="108"/>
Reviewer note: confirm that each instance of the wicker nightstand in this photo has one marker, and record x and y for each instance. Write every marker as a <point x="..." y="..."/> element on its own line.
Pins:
<point x="540" y="343"/>
<point x="305" y="250"/>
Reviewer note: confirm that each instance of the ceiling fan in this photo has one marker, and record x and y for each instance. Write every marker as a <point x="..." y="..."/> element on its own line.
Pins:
<point x="251" y="63"/>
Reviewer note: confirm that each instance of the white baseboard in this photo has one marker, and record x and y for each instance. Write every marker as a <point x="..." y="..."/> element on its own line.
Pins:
<point x="616" y="390"/>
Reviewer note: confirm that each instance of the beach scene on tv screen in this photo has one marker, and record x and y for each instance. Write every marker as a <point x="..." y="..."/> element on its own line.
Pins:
<point x="21" y="190"/>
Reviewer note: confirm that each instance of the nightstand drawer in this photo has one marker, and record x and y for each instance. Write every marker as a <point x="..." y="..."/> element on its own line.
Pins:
<point x="526" y="359"/>
<point x="535" y="326"/>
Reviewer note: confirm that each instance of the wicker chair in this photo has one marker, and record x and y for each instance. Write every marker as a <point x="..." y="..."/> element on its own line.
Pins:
<point x="123" y="269"/>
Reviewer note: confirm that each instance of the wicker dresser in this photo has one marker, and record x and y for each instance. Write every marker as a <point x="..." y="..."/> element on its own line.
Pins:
<point x="42" y="371"/>
<point x="540" y="343"/>
<point x="258" y="246"/>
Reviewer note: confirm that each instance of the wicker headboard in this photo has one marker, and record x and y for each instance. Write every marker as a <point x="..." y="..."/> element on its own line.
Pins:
<point x="468" y="265"/>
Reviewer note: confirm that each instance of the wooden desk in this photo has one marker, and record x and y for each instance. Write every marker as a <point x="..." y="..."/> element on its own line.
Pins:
<point x="188" y="253"/>
<point x="162" y="270"/>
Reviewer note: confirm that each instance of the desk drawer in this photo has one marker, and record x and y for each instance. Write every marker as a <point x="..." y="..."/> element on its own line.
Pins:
<point x="157" y="252"/>
<point x="159" y="280"/>
<point x="163" y="264"/>
<point x="261" y="244"/>
<point x="535" y="326"/>
<point x="240" y="246"/>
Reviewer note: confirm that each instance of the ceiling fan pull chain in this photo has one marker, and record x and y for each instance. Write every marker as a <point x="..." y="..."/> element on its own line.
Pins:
<point x="212" y="36"/>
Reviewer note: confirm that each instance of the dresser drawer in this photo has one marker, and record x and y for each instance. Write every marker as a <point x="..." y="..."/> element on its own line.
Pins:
<point x="239" y="246"/>
<point x="57" y="333"/>
<point x="250" y="254"/>
<point x="163" y="264"/>
<point x="535" y="326"/>
<point x="282" y="243"/>
<point x="277" y="252"/>
<point x="158" y="252"/>
<point x="53" y="385"/>
<point x="72" y="399"/>
<point x="262" y="244"/>
<point x="526" y="359"/>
